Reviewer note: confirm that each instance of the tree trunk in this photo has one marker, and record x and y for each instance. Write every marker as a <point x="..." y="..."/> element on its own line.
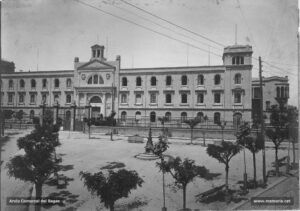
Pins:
<point x="184" y="196"/>
<point x="191" y="135"/>
<point x="254" y="169"/>
<point x="276" y="161"/>
<point x="226" y="169"/>
<point x="204" y="138"/>
<point x="38" y="195"/>
<point x="111" y="207"/>
<point x="294" y="159"/>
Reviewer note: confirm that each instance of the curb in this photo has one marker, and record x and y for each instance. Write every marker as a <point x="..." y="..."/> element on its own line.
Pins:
<point x="236" y="207"/>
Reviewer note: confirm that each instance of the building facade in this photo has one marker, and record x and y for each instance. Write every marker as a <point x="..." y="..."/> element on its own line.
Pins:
<point x="220" y="92"/>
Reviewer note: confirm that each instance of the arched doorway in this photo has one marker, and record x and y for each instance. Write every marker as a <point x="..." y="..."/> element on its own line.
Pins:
<point x="237" y="120"/>
<point x="96" y="107"/>
<point x="67" y="125"/>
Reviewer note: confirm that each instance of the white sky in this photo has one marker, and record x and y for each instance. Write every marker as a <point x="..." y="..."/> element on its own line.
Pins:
<point x="48" y="34"/>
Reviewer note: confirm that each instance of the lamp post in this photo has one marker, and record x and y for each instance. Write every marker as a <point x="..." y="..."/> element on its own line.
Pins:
<point x="89" y="119"/>
<point x="222" y="124"/>
<point x="74" y="114"/>
<point x="43" y="105"/>
<point x="57" y="110"/>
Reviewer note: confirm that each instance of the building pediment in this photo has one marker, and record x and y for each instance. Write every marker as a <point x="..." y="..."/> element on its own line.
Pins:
<point x="95" y="65"/>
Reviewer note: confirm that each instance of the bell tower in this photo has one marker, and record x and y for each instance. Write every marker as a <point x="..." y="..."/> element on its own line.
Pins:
<point x="97" y="52"/>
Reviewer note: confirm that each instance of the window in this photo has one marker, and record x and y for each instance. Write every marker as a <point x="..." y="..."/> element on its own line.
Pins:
<point x="138" y="99"/>
<point x="282" y="92"/>
<point x="11" y="84"/>
<point x="10" y="98"/>
<point x="168" y="116"/>
<point x="183" y="116"/>
<point x="237" y="78"/>
<point x="168" y="80"/>
<point x="200" y="98"/>
<point x="152" y="98"/>
<point x="217" y="79"/>
<point x="22" y="83"/>
<point x="68" y="98"/>
<point x="21" y="98"/>
<point x="32" y="99"/>
<point x="237" y="97"/>
<point x="123" y="116"/>
<point x="123" y="98"/>
<point x="200" y="115"/>
<point x="236" y="60"/>
<point x="200" y="79"/>
<point x="268" y="105"/>
<point x="184" y="98"/>
<point x="56" y="83"/>
<point x="217" y="118"/>
<point x="278" y="92"/>
<point x="286" y="91"/>
<point x="44" y="98"/>
<point x="184" y="80"/>
<point x="153" y="81"/>
<point x="69" y="82"/>
<point x="31" y="115"/>
<point x="124" y="81"/>
<point x="217" y="98"/>
<point x="33" y="84"/>
<point x="138" y="81"/>
<point x="138" y="116"/>
<point x="256" y="93"/>
<point x="168" y="98"/>
<point x="101" y="81"/>
<point x="152" y="116"/>
<point x="95" y="79"/>
<point x="44" y="83"/>
<point x="56" y="98"/>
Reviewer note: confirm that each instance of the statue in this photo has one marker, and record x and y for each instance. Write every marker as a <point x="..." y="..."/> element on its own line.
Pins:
<point x="149" y="144"/>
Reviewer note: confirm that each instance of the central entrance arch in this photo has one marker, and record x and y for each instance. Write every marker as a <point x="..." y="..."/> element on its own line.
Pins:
<point x="96" y="107"/>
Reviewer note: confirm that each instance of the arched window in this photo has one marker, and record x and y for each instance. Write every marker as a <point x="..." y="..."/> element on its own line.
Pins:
<point x="168" y="80"/>
<point x="217" y="117"/>
<point x="153" y="81"/>
<point x="200" y="98"/>
<point x="200" y="79"/>
<point x="168" y="98"/>
<point x="282" y="92"/>
<point x="123" y="116"/>
<point x="124" y="81"/>
<point x="237" y="97"/>
<point x="44" y="83"/>
<point x="33" y="83"/>
<point x="101" y="80"/>
<point x="69" y="82"/>
<point x="56" y="83"/>
<point x="184" y="98"/>
<point x="217" y="79"/>
<point x="31" y="115"/>
<point x="183" y="116"/>
<point x="278" y="91"/>
<point x="138" y="81"/>
<point x="56" y="98"/>
<point x="68" y="98"/>
<point x="21" y="98"/>
<point x="44" y="98"/>
<point x="168" y="116"/>
<point x="184" y="80"/>
<point x="237" y="78"/>
<point x="152" y="116"/>
<point x="11" y="84"/>
<point x="138" y="115"/>
<point x="123" y="98"/>
<point x="68" y="115"/>
<point x="90" y="81"/>
<point x="22" y="83"/>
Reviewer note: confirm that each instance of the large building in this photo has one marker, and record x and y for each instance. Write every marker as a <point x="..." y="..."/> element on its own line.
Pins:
<point x="222" y="92"/>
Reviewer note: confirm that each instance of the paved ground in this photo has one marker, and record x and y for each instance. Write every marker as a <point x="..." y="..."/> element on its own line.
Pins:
<point x="284" y="187"/>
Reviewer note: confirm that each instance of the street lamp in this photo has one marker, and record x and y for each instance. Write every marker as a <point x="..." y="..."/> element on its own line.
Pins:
<point x="43" y="105"/>
<point x="57" y="110"/>
<point x="74" y="114"/>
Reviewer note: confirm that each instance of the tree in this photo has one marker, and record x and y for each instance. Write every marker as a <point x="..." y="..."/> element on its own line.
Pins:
<point x="223" y="153"/>
<point x="253" y="144"/>
<point x="19" y="116"/>
<point x="163" y="120"/>
<point x="192" y="124"/>
<point x="292" y="116"/>
<point x="38" y="162"/>
<point x="278" y="132"/>
<point x="183" y="172"/>
<point x="6" y="114"/>
<point x="113" y="187"/>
